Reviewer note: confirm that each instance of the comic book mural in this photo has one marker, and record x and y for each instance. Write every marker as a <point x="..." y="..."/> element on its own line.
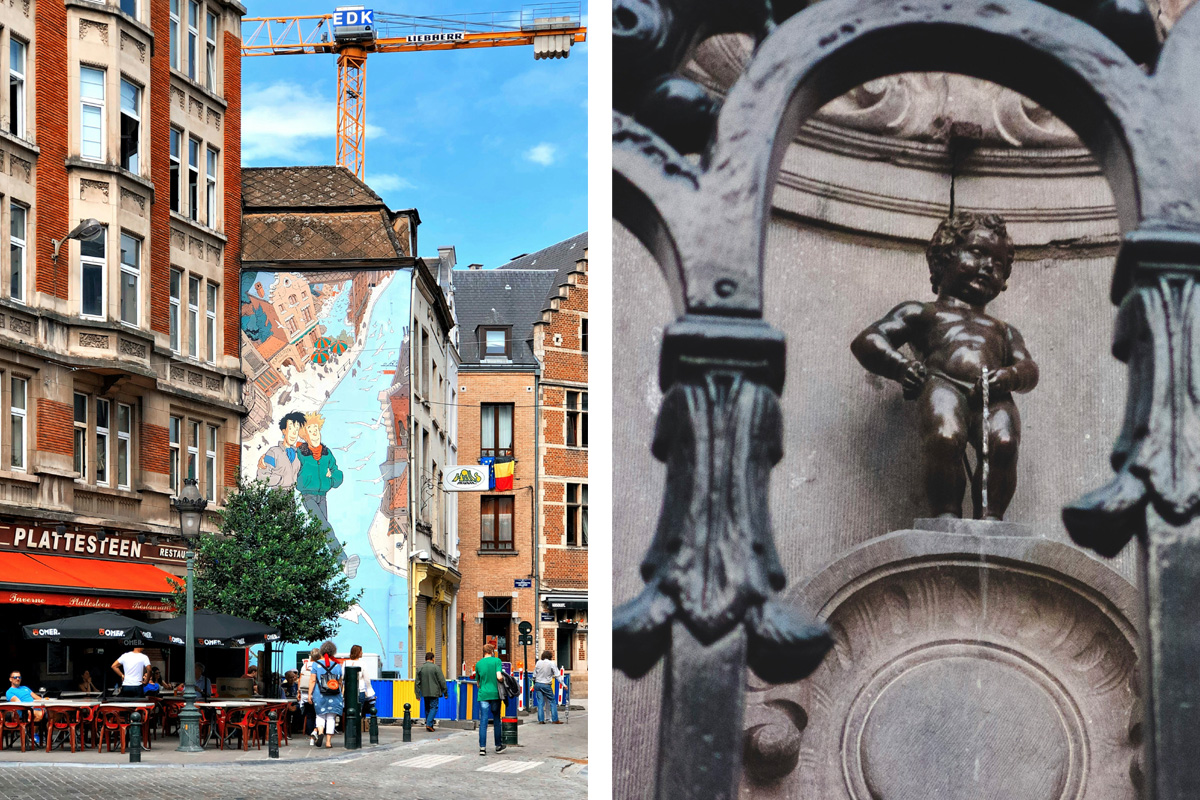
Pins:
<point x="326" y="357"/>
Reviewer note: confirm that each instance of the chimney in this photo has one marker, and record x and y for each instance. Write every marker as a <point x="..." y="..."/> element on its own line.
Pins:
<point x="475" y="266"/>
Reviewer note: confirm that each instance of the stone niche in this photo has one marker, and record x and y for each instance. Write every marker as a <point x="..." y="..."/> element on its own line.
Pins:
<point x="978" y="662"/>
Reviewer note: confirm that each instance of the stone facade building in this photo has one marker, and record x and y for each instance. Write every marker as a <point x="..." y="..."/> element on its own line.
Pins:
<point x="433" y="436"/>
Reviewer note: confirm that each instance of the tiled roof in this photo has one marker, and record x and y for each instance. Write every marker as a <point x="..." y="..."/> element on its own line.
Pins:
<point x="305" y="188"/>
<point x="500" y="297"/>
<point x="560" y="257"/>
<point x="319" y="236"/>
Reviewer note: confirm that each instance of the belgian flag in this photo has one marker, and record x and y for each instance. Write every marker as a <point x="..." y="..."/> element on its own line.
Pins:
<point x="503" y="469"/>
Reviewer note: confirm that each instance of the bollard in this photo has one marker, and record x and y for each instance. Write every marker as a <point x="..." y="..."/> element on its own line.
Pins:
<point x="273" y="734"/>
<point x="407" y="723"/>
<point x="135" y="733"/>
<point x="374" y="729"/>
<point x="352" y="731"/>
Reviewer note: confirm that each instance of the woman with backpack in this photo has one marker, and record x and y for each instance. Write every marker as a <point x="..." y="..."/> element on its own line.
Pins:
<point x="325" y="689"/>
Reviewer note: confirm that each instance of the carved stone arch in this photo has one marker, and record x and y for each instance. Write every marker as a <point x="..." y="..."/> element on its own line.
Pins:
<point x="820" y="54"/>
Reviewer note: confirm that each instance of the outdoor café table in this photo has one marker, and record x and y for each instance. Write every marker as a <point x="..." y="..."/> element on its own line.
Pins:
<point x="78" y="695"/>
<point x="68" y="715"/>
<point x="127" y="708"/>
<point x="222" y="710"/>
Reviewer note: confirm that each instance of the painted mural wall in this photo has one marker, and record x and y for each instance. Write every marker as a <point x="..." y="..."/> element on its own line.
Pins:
<point x="326" y="357"/>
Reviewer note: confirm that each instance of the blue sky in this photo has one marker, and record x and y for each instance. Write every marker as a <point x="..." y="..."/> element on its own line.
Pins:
<point x="489" y="145"/>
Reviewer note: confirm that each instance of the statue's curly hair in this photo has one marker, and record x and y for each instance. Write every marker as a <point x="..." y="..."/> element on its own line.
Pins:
<point x="952" y="232"/>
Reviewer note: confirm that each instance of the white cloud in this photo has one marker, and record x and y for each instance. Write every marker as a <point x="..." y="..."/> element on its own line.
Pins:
<point x="543" y="154"/>
<point x="388" y="182"/>
<point x="287" y="122"/>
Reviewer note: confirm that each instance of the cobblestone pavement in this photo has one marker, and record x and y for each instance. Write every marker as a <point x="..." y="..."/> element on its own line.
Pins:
<point x="551" y="761"/>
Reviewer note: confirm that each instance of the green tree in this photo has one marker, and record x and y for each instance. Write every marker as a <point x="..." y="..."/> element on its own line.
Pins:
<point x="271" y="565"/>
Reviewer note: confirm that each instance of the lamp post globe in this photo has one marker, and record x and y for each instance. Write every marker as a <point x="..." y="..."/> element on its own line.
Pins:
<point x="190" y="504"/>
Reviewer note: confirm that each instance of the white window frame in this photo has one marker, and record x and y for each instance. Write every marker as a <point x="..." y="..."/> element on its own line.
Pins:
<point x="175" y="48"/>
<point x="176" y="155"/>
<point x="92" y="103"/>
<point x="135" y="271"/>
<point x="174" y="437"/>
<point x="210" y="463"/>
<point x="211" y="188"/>
<point x="175" y="321"/>
<point x="193" y="315"/>
<point x="17" y="252"/>
<point x="80" y="435"/>
<point x="95" y="262"/>
<point x="210" y="332"/>
<point x="135" y="114"/>
<point x="124" y="444"/>
<point x="103" y="476"/>
<point x="193" y="41"/>
<point x="16" y="86"/>
<point x="195" y="147"/>
<point x="18" y="418"/>
<point x="210" y="52"/>
<point x="193" y="449"/>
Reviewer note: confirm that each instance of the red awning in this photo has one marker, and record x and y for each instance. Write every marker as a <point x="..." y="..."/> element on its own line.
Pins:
<point x="82" y="582"/>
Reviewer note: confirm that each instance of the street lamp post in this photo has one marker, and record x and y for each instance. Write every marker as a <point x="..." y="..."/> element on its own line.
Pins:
<point x="190" y="505"/>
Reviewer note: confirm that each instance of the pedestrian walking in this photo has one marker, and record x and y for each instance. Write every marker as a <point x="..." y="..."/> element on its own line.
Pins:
<point x="131" y="666"/>
<point x="487" y="673"/>
<point x="325" y="687"/>
<point x="431" y="685"/>
<point x="306" y="703"/>
<point x="366" y="692"/>
<point x="543" y="687"/>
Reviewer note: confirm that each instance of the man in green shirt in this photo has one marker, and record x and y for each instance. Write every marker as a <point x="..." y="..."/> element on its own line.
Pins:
<point x="487" y="672"/>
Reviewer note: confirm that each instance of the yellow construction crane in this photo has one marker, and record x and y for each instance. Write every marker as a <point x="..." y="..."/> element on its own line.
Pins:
<point x="352" y="32"/>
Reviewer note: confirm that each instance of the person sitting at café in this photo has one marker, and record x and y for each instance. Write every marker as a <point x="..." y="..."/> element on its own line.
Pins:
<point x="85" y="683"/>
<point x="291" y="683"/>
<point x="23" y="694"/>
<point x="204" y="686"/>
<point x="153" y="685"/>
<point x="252" y="674"/>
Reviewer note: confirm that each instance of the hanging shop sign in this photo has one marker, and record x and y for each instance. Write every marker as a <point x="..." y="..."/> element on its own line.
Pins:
<point x="35" y="598"/>
<point x="117" y="546"/>
<point x="465" y="478"/>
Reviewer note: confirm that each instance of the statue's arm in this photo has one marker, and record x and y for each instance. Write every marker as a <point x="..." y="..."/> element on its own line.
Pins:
<point x="877" y="348"/>
<point x="1023" y="374"/>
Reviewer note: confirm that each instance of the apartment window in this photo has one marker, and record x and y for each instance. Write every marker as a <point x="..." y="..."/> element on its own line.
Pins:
<point x="210" y="331"/>
<point x="194" y="179"/>
<point x="173" y="437"/>
<point x="81" y="426"/>
<point x="18" y="408"/>
<point x="193" y="448"/>
<point x="577" y="514"/>
<point x="102" y="421"/>
<point x="193" y="315"/>
<point x="210" y="52"/>
<point x="124" y="438"/>
<point x="175" y="33"/>
<point x="130" y="7"/>
<point x="91" y="96"/>
<point x="210" y="464"/>
<point x="211" y="189"/>
<point x="193" y="37"/>
<point x="131" y="260"/>
<point x="496" y="343"/>
<point x="424" y="365"/>
<point x="17" y="51"/>
<point x="496" y="523"/>
<point x="176" y="280"/>
<point x="495" y="431"/>
<point x="131" y="124"/>
<point x="17" y="231"/>
<point x="577" y="422"/>
<point x="92" y="265"/>
<point x="583" y="334"/>
<point x="176" y="136"/>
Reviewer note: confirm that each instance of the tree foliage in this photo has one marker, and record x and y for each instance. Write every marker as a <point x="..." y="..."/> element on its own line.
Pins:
<point x="272" y="565"/>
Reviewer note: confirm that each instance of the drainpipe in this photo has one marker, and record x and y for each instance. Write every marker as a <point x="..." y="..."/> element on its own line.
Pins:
<point x="535" y="523"/>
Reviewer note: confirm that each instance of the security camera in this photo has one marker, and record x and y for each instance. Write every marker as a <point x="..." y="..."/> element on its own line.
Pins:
<point x="457" y="555"/>
<point x="422" y="555"/>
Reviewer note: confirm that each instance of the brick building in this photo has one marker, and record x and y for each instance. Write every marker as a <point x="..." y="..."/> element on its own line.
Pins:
<point x="119" y="368"/>
<point x="560" y="346"/>
<point x="498" y="379"/>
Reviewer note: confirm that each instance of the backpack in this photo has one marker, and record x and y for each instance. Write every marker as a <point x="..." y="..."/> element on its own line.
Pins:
<point x="327" y="682"/>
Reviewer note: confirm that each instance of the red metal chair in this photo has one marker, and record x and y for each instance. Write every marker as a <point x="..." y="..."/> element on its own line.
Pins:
<point x="244" y="722"/>
<point x="69" y="719"/>
<point x="281" y="723"/>
<point x="15" y="722"/>
<point x="111" y="722"/>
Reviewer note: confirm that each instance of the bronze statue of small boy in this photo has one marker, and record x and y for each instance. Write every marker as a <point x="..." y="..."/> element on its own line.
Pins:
<point x="970" y="259"/>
